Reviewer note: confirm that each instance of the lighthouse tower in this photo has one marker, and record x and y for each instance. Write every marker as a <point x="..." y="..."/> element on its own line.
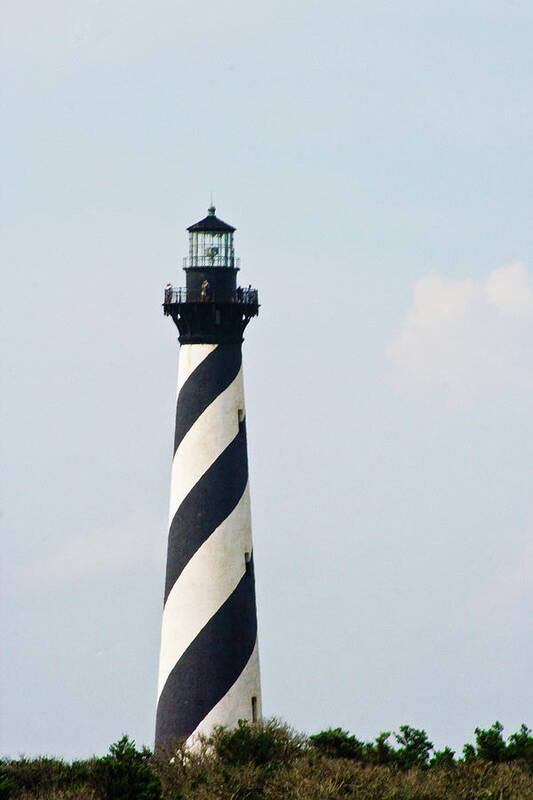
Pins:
<point x="209" y="664"/>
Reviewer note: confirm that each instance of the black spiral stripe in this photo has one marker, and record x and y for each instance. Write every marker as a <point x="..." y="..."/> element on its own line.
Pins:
<point x="209" y="662"/>
<point x="208" y="504"/>
<point x="214" y="374"/>
<point x="199" y="681"/>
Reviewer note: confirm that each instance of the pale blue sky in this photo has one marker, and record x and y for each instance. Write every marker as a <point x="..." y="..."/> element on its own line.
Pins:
<point x="375" y="158"/>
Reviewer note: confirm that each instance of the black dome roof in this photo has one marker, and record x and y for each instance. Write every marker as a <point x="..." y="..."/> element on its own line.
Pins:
<point x="211" y="224"/>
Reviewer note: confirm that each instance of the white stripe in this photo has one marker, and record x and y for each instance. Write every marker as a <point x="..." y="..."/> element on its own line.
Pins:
<point x="207" y="581"/>
<point x="236" y="703"/>
<point x="191" y="356"/>
<point x="208" y="437"/>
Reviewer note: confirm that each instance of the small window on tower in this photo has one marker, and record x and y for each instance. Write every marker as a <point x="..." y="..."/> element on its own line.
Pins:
<point x="240" y="415"/>
<point x="254" y="709"/>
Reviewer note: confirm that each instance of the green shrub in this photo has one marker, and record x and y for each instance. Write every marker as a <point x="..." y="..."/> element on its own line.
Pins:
<point x="336" y="743"/>
<point x="268" y="761"/>
<point x="490" y="744"/>
<point x="259" y="743"/>
<point x="380" y="751"/>
<point x="127" y="773"/>
<point x="6" y="783"/>
<point x="520" y="746"/>
<point x="469" y="753"/>
<point x="415" y="749"/>
<point x="38" y="775"/>
<point x="443" y="758"/>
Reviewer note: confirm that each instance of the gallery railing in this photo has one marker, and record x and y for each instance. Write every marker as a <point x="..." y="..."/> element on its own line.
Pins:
<point x="206" y="295"/>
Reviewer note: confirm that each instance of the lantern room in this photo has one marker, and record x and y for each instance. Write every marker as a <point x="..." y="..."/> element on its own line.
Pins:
<point x="211" y="308"/>
<point x="211" y="243"/>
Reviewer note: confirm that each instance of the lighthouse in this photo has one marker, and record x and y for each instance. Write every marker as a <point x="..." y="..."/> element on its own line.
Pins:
<point x="209" y="663"/>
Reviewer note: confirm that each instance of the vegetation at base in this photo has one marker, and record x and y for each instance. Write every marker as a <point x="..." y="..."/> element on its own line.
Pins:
<point x="270" y="761"/>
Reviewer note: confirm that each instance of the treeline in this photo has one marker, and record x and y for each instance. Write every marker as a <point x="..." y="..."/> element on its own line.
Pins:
<point x="270" y="761"/>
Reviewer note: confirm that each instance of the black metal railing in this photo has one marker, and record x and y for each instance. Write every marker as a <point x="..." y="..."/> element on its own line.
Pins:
<point x="207" y="295"/>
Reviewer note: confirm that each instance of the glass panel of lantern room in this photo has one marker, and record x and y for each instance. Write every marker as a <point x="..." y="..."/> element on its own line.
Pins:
<point x="228" y="249"/>
<point x="210" y="249"/>
<point x="214" y="250"/>
<point x="199" y="248"/>
<point x="202" y="248"/>
<point x="193" y="250"/>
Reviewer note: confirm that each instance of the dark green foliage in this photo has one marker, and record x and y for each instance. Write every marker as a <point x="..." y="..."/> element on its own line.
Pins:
<point x="257" y="744"/>
<point x="238" y="763"/>
<point x="268" y="761"/>
<point x="380" y="751"/>
<point x="337" y="743"/>
<point x="490" y="744"/>
<point x="127" y="774"/>
<point x="40" y="776"/>
<point x="6" y="783"/>
<point x="124" y="774"/>
<point x="443" y="758"/>
<point x="469" y="753"/>
<point x="520" y="746"/>
<point x="415" y="749"/>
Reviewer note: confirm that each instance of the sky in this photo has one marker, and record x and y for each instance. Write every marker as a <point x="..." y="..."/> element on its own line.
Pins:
<point x="375" y="158"/>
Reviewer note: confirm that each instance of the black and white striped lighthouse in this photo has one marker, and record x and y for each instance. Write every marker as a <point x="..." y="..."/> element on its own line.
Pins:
<point x="209" y="663"/>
